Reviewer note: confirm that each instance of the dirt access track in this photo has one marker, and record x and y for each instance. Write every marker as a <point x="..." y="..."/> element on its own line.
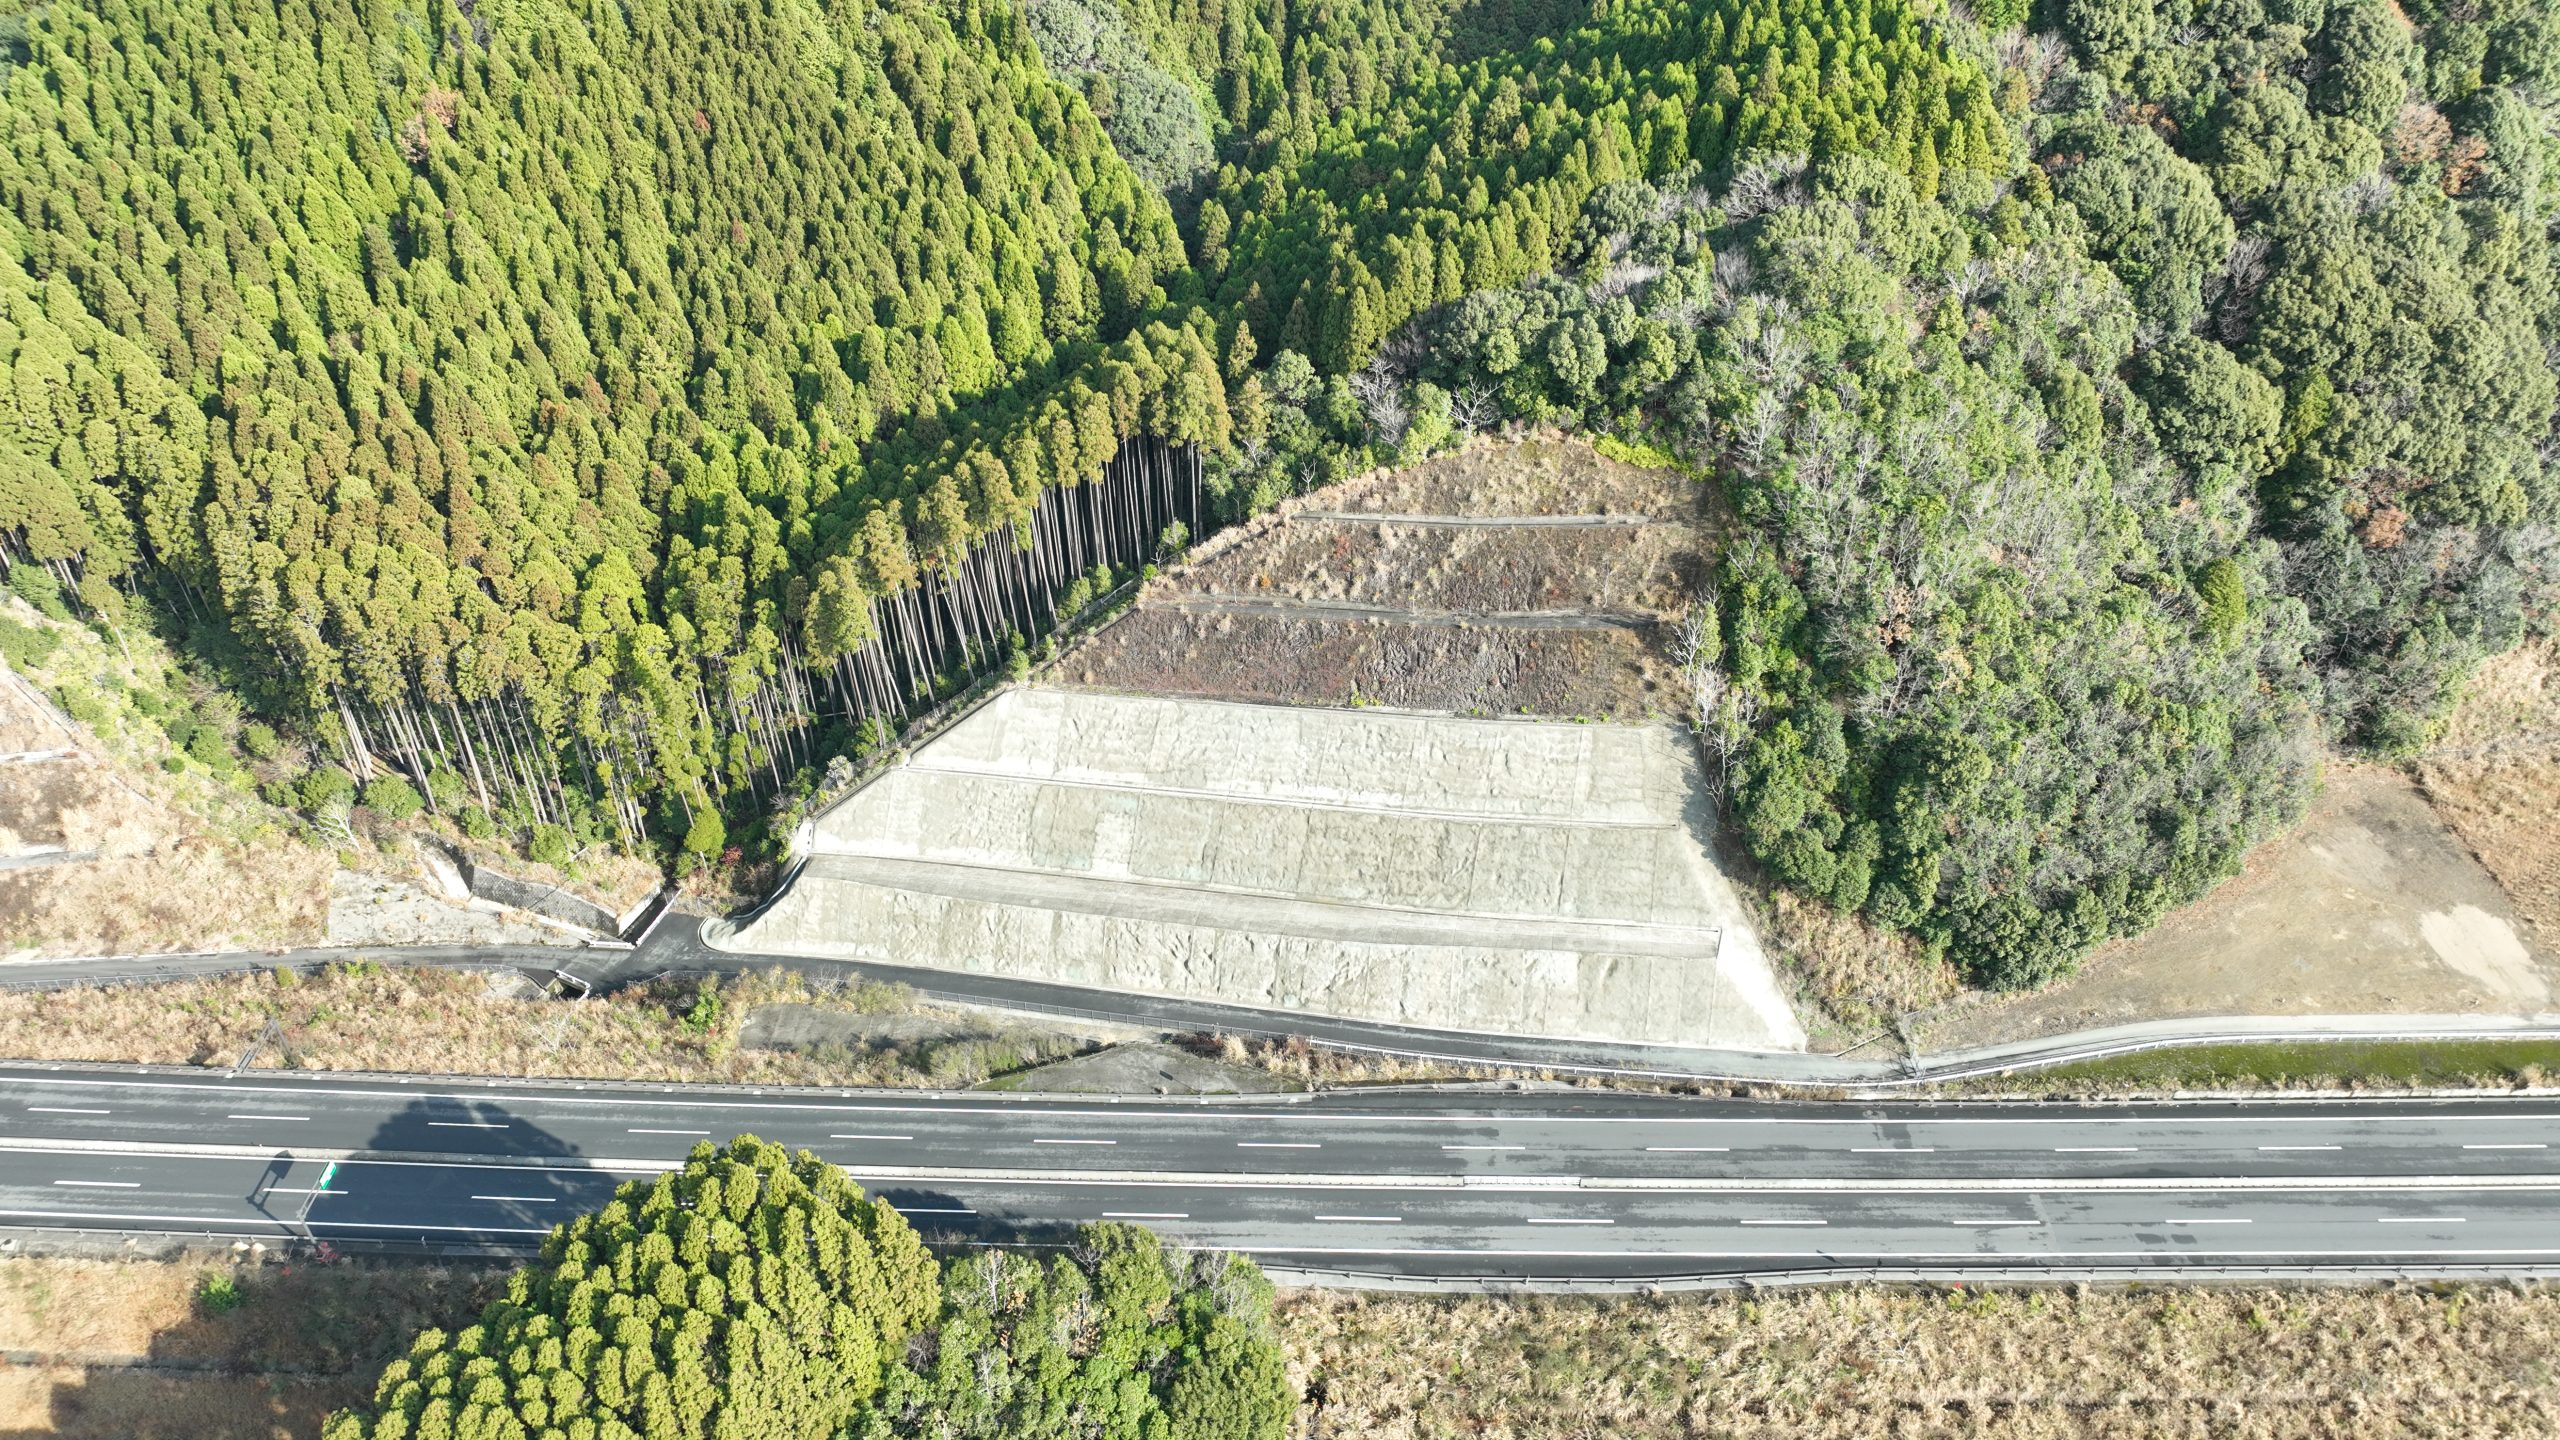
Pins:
<point x="1527" y="577"/>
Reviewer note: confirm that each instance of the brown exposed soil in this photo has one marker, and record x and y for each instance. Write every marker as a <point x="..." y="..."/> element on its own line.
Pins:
<point x="126" y="1350"/>
<point x="1467" y="669"/>
<point x="2371" y="907"/>
<point x="1540" y="619"/>
<point x="118" y="1350"/>
<point x="1854" y="978"/>
<point x="1602" y="568"/>
<point x="1542" y="475"/>
<point x="196" y="892"/>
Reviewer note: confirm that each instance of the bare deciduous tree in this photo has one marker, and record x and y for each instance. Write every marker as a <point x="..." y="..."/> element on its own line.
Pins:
<point x="1381" y="395"/>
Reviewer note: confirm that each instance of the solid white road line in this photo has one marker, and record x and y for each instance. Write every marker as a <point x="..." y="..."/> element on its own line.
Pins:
<point x="266" y="1226"/>
<point x="638" y="1131"/>
<point x="2203" y="1220"/>
<point x="1786" y="1222"/>
<point x="2301" y="1147"/>
<point x="291" y="1190"/>
<point x="1984" y="1224"/>
<point x="1829" y="1252"/>
<point x="2507" y="1147"/>
<point x="872" y="1137"/>
<point x="1564" y="1220"/>
<point x="2420" y="1219"/>
<point x="1484" y="1147"/>
<point x="521" y="1199"/>
<point x="469" y="1124"/>
<point x="1075" y="1142"/>
<point x="1145" y="1215"/>
<point x="1278" y="1145"/>
<point x="1364" y="1219"/>
<point x="1687" y="1149"/>
<point x="64" y="1110"/>
<point x="2095" y="1149"/>
<point x="924" y="1210"/>
<point x="266" y="1117"/>
<point x="1893" y="1149"/>
<point x="103" y="1184"/>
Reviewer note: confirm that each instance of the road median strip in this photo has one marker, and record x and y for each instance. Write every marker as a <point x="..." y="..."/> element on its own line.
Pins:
<point x="980" y="1175"/>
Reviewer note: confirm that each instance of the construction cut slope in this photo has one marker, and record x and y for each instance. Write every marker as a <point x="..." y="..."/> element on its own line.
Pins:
<point x="1517" y="577"/>
<point x="1499" y="875"/>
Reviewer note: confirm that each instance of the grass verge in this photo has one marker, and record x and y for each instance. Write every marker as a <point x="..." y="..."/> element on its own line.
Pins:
<point x="2306" y="1065"/>
<point x="1861" y="1363"/>
<point x="367" y="1017"/>
<point x="1851" y="1364"/>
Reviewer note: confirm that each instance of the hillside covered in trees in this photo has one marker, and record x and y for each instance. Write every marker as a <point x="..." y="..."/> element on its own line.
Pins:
<point x="604" y="416"/>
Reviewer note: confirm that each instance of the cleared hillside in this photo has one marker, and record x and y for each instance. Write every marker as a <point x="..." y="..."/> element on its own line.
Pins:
<point x="1536" y="577"/>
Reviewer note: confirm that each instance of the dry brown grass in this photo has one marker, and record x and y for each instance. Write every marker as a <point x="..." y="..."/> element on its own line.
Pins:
<point x="195" y="892"/>
<point x="2495" y="779"/>
<point x="1858" y="976"/>
<point x="129" y="1352"/>
<point x="2249" y="1364"/>
<point x="445" y="1022"/>
<point x="1851" y="1364"/>
<point x="183" y="865"/>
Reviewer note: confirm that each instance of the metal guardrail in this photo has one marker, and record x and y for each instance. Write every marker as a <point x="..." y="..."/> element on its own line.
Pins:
<point x="178" y="1240"/>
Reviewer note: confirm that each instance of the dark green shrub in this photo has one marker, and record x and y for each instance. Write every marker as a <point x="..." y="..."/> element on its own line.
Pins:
<point x="549" y="846"/>
<point x="260" y="740"/>
<point x="392" y="798"/>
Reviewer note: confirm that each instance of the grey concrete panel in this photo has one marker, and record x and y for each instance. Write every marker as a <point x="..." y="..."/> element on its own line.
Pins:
<point x="1503" y="876"/>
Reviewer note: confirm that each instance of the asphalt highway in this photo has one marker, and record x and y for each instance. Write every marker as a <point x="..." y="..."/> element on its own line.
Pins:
<point x="1476" y="1185"/>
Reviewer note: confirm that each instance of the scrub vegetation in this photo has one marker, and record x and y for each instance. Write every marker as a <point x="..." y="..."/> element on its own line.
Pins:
<point x="2082" y="1363"/>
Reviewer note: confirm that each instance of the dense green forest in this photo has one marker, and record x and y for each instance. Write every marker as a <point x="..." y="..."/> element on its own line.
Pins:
<point x="606" y="415"/>
<point x="758" y="1295"/>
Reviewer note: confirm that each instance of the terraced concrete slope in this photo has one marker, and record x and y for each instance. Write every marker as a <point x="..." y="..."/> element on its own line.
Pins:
<point x="1506" y="875"/>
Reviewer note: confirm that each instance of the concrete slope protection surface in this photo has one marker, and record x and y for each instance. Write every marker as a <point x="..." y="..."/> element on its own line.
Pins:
<point x="1508" y="875"/>
<point x="1461" y="1188"/>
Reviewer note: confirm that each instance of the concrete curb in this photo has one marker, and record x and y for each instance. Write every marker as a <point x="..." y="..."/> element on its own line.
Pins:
<point x="2008" y="1276"/>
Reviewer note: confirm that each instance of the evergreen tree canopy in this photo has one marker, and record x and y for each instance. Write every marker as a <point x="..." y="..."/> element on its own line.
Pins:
<point x="755" y="1294"/>
<point x="605" y="412"/>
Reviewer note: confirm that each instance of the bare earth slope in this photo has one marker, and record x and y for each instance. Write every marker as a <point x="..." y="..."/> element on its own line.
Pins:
<point x="93" y="863"/>
<point x="2496" y="780"/>
<point x="1515" y="578"/>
